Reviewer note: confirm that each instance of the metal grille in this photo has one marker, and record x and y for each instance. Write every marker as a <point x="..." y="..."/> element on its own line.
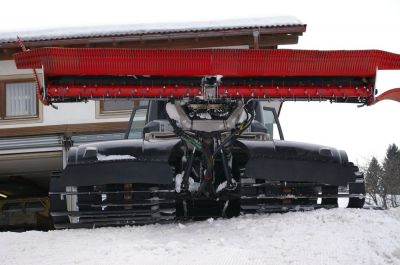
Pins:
<point x="7" y="144"/>
<point x="70" y="61"/>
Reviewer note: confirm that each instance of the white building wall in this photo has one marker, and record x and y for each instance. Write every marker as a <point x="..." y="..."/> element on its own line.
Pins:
<point x="9" y="70"/>
<point x="67" y="113"/>
<point x="73" y="113"/>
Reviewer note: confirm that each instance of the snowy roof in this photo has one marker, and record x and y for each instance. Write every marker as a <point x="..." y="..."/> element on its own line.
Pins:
<point x="147" y="29"/>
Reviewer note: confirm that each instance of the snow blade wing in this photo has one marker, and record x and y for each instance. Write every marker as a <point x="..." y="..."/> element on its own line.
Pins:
<point x="393" y="94"/>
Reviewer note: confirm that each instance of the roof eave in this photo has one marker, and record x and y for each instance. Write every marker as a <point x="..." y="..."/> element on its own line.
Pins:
<point x="292" y="29"/>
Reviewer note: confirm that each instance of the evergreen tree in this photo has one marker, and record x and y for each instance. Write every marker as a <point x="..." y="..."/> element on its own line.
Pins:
<point x="391" y="175"/>
<point x="372" y="179"/>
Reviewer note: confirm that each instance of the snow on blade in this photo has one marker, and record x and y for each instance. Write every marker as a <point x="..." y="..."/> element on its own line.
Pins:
<point x="101" y="157"/>
<point x="172" y="112"/>
<point x="193" y="186"/>
<point x="223" y="185"/>
<point x="205" y="116"/>
<point x="178" y="182"/>
<point x="330" y="237"/>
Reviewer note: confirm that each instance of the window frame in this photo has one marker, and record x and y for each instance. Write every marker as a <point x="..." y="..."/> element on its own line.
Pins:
<point x="101" y="113"/>
<point x="3" y="102"/>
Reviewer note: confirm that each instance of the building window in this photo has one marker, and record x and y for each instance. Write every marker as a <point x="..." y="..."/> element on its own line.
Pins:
<point x="18" y="100"/>
<point x="118" y="106"/>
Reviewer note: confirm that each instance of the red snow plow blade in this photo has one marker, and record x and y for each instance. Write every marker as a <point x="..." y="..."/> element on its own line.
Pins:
<point x="339" y="76"/>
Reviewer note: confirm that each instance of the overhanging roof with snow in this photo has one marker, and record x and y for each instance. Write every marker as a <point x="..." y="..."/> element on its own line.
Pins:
<point x="255" y="32"/>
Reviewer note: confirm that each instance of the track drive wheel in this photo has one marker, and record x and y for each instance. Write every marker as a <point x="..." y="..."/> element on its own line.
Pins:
<point x="356" y="188"/>
<point x="332" y="193"/>
<point x="56" y="203"/>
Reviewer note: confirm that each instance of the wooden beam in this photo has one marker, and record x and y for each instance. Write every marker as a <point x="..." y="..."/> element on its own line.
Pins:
<point x="2" y="100"/>
<point x="264" y="41"/>
<point x="7" y="53"/>
<point x="183" y="40"/>
<point x="256" y="39"/>
<point x="275" y="40"/>
<point x="104" y="127"/>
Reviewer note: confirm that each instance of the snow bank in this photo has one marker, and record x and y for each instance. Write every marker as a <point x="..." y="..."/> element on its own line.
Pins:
<point x="339" y="236"/>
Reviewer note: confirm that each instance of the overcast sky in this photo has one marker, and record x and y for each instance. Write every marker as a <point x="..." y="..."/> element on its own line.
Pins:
<point x="334" y="24"/>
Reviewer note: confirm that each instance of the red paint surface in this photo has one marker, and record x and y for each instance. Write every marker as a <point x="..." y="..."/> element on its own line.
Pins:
<point x="92" y="61"/>
<point x="206" y="62"/>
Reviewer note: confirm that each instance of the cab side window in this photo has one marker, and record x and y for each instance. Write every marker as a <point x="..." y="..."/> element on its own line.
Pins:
<point x="270" y="122"/>
<point x="138" y="120"/>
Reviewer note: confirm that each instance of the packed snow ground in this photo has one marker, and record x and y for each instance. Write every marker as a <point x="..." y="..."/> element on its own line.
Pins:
<point x="339" y="236"/>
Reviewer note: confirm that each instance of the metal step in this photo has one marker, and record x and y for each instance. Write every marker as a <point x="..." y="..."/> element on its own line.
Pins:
<point x="96" y="224"/>
<point x="112" y="213"/>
